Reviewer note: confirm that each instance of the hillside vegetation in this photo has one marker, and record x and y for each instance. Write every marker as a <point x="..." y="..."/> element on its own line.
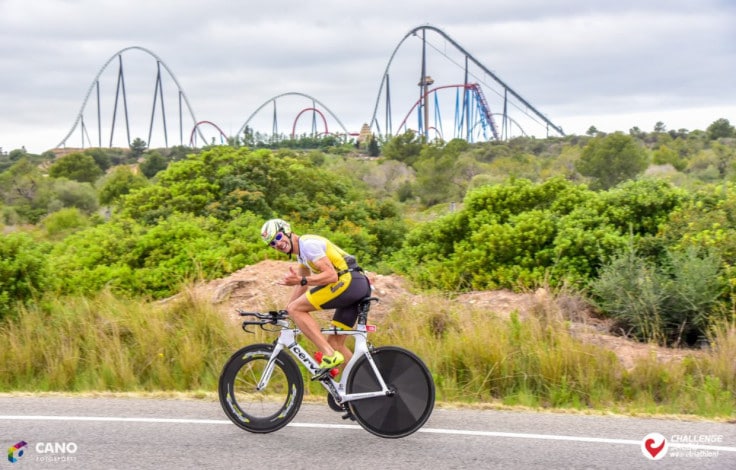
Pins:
<point x="640" y="225"/>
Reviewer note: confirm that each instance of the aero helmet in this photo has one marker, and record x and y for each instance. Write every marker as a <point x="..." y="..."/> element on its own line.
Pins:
<point x="272" y="227"/>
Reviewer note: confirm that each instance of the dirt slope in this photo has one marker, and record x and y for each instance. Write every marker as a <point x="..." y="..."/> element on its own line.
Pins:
<point x="255" y="288"/>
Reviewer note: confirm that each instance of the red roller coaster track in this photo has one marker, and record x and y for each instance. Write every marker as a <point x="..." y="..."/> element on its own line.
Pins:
<point x="192" y="136"/>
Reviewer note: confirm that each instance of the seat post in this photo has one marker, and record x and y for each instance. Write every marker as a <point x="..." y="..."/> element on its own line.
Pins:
<point x="364" y="306"/>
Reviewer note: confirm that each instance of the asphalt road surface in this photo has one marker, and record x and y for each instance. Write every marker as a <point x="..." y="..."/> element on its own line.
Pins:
<point x="141" y="433"/>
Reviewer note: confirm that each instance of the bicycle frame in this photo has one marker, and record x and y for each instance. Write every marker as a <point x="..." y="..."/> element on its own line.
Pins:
<point x="287" y="341"/>
<point x="397" y="381"/>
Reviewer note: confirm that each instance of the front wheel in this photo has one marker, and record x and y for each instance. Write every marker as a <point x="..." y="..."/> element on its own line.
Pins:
<point x="412" y="398"/>
<point x="260" y="411"/>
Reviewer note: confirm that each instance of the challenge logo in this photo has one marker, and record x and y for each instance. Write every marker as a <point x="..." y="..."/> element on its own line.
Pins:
<point x="15" y="452"/>
<point x="654" y="446"/>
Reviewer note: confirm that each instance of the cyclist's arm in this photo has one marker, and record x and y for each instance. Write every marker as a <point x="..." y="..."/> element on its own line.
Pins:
<point x="315" y="250"/>
<point x="326" y="274"/>
<point x="298" y="290"/>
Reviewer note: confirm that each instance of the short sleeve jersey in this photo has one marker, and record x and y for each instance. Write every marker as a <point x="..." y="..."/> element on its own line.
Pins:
<point x="314" y="247"/>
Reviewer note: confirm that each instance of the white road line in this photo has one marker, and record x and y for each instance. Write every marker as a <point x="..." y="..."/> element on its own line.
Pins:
<point x="552" y="437"/>
<point x="116" y="419"/>
<point x="556" y="437"/>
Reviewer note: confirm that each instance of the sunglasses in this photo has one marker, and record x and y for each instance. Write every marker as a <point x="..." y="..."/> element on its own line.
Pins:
<point x="276" y="239"/>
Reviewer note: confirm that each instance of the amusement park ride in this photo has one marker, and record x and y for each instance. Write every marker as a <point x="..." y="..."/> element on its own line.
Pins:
<point x="475" y="116"/>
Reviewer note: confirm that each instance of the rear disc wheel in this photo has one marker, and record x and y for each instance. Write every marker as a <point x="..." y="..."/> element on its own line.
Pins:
<point x="412" y="393"/>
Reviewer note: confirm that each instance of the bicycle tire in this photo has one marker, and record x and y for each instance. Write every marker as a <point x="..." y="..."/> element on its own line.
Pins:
<point x="262" y="411"/>
<point x="412" y="402"/>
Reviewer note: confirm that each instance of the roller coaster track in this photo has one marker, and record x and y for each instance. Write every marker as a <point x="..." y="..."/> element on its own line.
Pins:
<point x="95" y="84"/>
<point x="472" y="117"/>
<point x="195" y="129"/>
<point x="291" y="93"/>
<point x="483" y="104"/>
<point x="469" y="57"/>
<point x="486" y="118"/>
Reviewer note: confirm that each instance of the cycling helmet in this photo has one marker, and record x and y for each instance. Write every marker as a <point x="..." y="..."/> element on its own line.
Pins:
<point x="272" y="227"/>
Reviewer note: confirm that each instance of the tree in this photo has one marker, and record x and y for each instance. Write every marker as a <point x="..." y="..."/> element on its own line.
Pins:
<point x="720" y="128"/>
<point x="152" y="164"/>
<point x="612" y="159"/>
<point x="121" y="181"/>
<point x="404" y="148"/>
<point x="101" y="157"/>
<point x="137" y="147"/>
<point x="636" y="132"/>
<point x="664" y="155"/>
<point x="17" y="154"/>
<point x="724" y="158"/>
<point x="24" y="187"/>
<point x="373" y="149"/>
<point x="179" y="152"/>
<point x="69" y="193"/>
<point x="435" y="172"/>
<point x="76" y="166"/>
<point x="444" y="172"/>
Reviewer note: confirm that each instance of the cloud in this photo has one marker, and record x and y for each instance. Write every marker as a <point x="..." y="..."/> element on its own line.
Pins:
<point x="613" y="64"/>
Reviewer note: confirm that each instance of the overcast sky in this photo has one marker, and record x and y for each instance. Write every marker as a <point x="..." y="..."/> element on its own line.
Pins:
<point x="613" y="64"/>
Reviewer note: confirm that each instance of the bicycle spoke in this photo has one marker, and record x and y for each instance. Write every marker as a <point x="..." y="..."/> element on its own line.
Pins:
<point x="263" y="410"/>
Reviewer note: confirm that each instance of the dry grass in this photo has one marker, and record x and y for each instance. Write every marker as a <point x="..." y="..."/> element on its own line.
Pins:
<point x="536" y="361"/>
<point x="107" y="344"/>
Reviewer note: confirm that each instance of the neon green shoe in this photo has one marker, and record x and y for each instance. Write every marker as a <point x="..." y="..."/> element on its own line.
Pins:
<point x="328" y="362"/>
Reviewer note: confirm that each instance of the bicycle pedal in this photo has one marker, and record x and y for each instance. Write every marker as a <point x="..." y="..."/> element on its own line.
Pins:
<point x="322" y="374"/>
<point x="349" y="416"/>
<point x="326" y="373"/>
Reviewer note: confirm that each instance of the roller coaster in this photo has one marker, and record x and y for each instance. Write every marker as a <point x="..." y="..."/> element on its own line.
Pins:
<point x="484" y="107"/>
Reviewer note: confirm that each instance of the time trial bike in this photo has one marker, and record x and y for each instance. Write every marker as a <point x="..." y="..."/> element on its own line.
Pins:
<point x="388" y="390"/>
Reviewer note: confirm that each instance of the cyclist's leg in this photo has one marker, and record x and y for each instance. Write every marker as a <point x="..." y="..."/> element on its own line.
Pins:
<point x="338" y="344"/>
<point x="346" y="310"/>
<point x="299" y="310"/>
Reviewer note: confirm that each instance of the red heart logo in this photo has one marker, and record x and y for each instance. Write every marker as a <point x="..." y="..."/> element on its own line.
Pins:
<point x="652" y="449"/>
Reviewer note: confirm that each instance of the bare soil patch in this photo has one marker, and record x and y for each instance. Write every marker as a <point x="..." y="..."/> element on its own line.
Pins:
<point x="256" y="288"/>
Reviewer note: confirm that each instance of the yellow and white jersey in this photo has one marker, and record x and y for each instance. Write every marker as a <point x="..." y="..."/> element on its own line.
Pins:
<point x="314" y="247"/>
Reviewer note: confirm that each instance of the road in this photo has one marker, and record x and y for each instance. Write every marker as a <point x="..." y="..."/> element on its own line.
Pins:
<point x="146" y="433"/>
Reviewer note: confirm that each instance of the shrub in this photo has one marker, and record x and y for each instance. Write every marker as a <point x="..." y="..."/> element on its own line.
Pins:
<point x="64" y="221"/>
<point x="630" y="290"/>
<point x="76" y="166"/>
<point x="23" y="271"/>
<point x="675" y="302"/>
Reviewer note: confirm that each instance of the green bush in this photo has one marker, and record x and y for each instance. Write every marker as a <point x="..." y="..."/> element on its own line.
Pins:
<point x="23" y="271"/>
<point x="673" y="303"/>
<point x="76" y="166"/>
<point x="611" y="159"/>
<point x="522" y="234"/>
<point x="202" y="219"/>
<point x="129" y="257"/>
<point x="119" y="182"/>
<point x="69" y="193"/>
<point x="64" y="221"/>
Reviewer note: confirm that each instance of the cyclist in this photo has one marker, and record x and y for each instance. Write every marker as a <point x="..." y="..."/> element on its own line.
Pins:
<point x="327" y="278"/>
